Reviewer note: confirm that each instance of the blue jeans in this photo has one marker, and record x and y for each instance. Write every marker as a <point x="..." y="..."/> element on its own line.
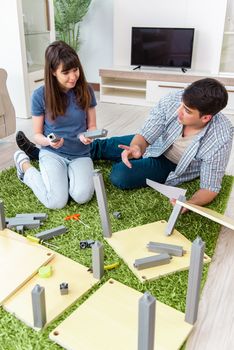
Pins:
<point x="156" y="169"/>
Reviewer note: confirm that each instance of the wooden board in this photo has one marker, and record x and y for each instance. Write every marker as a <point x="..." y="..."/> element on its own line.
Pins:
<point x="18" y="263"/>
<point x="210" y="214"/>
<point x="109" y="320"/>
<point x="131" y="244"/>
<point x="64" y="270"/>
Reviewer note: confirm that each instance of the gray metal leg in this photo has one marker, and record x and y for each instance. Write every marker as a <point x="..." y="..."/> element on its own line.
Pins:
<point x="2" y="216"/>
<point x="146" y="322"/>
<point x="194" y="280"/>
<point x="102" y="204"/>
<point x="38" y="305"/>
<point x="98" y="260"/>
<point x="174" y="216"/>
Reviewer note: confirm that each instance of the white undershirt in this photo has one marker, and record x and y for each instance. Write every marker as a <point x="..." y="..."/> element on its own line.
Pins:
<point x="176" y="150"/>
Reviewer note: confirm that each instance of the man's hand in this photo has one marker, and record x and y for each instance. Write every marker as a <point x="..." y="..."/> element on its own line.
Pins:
<point x="200" y="197"/>
<point x="130" y="152"/>
<point x="173" y="202"/>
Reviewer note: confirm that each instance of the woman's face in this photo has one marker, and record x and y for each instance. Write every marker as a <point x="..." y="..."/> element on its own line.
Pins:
<point x="66" y="78"/>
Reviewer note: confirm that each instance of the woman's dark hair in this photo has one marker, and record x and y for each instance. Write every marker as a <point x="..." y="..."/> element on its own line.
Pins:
<point x="207" y="95"/>
<point x="58" y="53"/>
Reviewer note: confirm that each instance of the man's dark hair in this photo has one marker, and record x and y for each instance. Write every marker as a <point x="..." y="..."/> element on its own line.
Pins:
<point x="207" y="95"/>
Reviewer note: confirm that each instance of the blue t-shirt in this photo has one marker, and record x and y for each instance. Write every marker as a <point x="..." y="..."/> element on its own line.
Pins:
<point x="68" y="126"/>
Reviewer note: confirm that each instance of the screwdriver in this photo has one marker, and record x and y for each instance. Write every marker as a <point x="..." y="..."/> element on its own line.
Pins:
<point x="37" y="240"/>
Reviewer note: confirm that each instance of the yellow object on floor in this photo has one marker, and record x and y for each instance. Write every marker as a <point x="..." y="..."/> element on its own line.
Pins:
<point x="45" y="271"/>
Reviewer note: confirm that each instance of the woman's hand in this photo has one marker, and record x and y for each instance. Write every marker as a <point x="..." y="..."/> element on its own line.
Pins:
<point x="85" y="140"/>
<point x="57" y="144"/>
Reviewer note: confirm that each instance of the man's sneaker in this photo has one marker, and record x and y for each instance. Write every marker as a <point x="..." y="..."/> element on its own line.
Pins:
<point x="27" y="146"/>
<point x="20" y="158"/>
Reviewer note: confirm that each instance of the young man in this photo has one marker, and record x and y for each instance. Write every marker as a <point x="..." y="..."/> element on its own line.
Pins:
<point x="184" y="137"/>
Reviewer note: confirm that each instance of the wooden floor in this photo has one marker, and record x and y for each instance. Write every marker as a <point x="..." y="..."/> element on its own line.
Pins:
<point x="214" y="329"/>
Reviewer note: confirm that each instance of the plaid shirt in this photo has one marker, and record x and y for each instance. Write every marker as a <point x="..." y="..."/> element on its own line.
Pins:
<point x="207" y="156"/>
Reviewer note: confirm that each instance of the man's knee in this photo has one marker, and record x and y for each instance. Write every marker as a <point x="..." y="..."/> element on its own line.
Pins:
<point x="120" y="176"/>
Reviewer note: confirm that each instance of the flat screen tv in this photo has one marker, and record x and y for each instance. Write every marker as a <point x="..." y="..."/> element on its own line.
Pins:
<point x="162" y="47"/>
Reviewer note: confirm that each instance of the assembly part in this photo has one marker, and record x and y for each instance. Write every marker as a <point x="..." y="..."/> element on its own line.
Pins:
<point x="174" y="216"/>
<point x="86" y="243"/>
<point x="194" y="280"/>
<point x="53" y="138"/>
<point x="38" y="306"/>
<point x="102" y="203"/>
<point x="26" y="222"/>
<point x="170" y="249"/>
<point x="45" y="271"/>
<point x="146" y="322"/>
<point x="63" y="287"/>
<point x="150" y="261"/>
<point x="117" y="215"/>
<point x="98" y="260"/>
<point x="36" y="216"/>
<point x="2" y="216"/>
<point x="44" y="235"/>
<point x="93" y="134"/>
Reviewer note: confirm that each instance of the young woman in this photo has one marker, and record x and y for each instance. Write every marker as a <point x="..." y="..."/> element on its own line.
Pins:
<point x="64" y="106"/>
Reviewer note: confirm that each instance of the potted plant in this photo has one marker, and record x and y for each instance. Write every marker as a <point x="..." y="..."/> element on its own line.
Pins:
<point x="68" y="16"/>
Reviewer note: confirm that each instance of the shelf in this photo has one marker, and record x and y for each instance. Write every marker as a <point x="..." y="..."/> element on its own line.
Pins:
<point x="229" y="33"/>
<point x="37" y="33"/>
<point x="124" y="84"/>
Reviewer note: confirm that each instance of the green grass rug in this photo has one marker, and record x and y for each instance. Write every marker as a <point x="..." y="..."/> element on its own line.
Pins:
<point x="138" y="207"/>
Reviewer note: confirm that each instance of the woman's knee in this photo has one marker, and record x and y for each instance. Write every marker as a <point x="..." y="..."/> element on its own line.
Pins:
<point x="56" y="202"/>
<point x="82" y="195"/>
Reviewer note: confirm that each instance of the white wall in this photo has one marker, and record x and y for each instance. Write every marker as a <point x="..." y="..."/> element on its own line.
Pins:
<point x="206" y="16"/>
<point x="12" y="55"/>
<point x="97" y="39"/>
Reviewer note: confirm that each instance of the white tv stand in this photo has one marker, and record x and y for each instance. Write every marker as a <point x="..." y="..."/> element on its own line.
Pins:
<point x="146" y="87"/>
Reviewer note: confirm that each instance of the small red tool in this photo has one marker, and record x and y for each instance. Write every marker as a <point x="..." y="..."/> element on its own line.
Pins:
<point x="75" y="217"/>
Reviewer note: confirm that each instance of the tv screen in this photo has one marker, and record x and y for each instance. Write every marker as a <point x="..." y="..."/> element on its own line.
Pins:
<point x="162" y="47"/>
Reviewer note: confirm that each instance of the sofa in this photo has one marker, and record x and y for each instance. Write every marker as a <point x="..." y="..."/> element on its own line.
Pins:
<point x="7" y="112"/>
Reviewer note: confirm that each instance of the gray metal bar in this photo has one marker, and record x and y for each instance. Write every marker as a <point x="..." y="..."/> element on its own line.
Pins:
<point x="146" y="322"/>
<point x="194" y="280"/>
<point x="150" y="261"/>
<point x="102" y="203"/>
<point x="38" y="306"/>
<point x="44" y="235"/>
<point x="2" y="216"/>
<point x="98" y="260"/>
<point x="36" y="216"/>
<point x="171" y="249"/>
<point x="93" y="134"/>
<point x="27" y="223"/>
<point x="174" y="216"/>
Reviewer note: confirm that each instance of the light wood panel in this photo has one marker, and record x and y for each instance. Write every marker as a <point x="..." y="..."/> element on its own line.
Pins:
<point x="18" y="263"/>
<point x="131" y="244"/>
<point x="63" y="270"/>
<point x="109" y="320"/>
<point x="210" y="214"/>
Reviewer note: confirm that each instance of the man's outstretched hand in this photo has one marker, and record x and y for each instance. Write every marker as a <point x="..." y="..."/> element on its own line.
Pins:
<point x="130" y="152"/>
<point x="173" y="202"/>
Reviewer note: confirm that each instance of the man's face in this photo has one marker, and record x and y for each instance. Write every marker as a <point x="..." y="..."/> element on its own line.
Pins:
<point x="191" y="117"/>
